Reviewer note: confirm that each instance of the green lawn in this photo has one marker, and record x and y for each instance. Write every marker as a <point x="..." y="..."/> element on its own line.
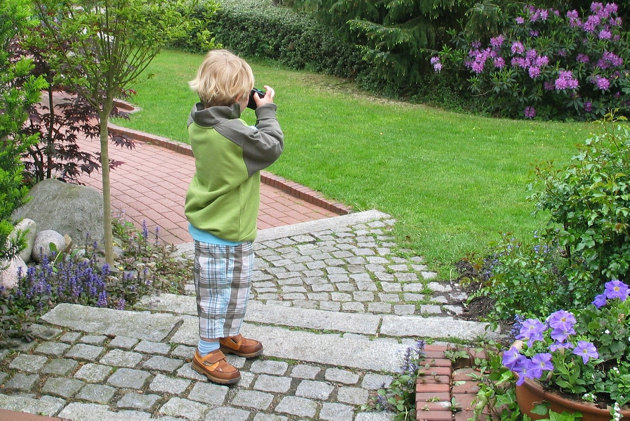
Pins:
<point x="455" y="182"/>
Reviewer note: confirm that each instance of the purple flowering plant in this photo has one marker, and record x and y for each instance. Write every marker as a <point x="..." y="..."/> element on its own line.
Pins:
<point x="81" y="276"/>
<point x="584" y="353"/>
<point x="549" y="64"/>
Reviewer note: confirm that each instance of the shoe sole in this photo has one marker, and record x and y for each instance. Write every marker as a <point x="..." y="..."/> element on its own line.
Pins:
<point x="213" y="379"/>
<point x="227" y="350"/>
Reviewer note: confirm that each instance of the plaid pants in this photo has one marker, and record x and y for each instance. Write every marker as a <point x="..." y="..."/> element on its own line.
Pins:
<point x="222" y="282"/>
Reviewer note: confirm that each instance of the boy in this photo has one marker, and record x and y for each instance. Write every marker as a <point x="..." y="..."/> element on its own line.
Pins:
<point x="222" y="205"/>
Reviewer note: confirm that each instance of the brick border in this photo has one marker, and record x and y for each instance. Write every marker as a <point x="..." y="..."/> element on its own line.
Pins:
<point x="439" y="382"/>
<point x="8" y="415"/>
<point x="294" y="189"/>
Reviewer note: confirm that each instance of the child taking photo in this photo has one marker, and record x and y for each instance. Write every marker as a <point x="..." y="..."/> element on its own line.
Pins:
<point x="222" y="204"/>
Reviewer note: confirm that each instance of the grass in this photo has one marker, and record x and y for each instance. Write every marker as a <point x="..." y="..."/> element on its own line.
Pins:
<point x="453" y="181"/>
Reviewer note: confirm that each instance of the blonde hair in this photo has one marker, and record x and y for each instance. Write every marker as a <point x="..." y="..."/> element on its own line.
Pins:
<point x="222" y="78"/>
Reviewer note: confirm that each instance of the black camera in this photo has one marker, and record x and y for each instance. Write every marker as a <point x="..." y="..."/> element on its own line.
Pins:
<point x="252" y="104"/>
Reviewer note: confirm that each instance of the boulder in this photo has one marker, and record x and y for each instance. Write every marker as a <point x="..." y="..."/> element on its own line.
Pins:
<point x="9" y="272"/>
<point x="66" y="208"/>
<point x="29" y="228"/>
<point x="43" y="240"/>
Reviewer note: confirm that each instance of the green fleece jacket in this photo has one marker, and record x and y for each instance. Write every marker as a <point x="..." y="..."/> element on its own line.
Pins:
<point x="224" y="194"/>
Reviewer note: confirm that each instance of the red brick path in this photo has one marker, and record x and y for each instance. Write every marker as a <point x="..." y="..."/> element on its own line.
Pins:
<point x="151" y="184"/>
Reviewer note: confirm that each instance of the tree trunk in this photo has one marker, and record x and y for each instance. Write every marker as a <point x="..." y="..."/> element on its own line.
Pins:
<point x="107" y="201"/>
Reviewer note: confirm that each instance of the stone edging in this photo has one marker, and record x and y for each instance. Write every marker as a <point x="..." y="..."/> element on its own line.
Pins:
<point x="290" y="187"/>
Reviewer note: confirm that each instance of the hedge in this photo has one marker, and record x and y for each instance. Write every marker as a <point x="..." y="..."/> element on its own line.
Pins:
<point x="257" y="28"/>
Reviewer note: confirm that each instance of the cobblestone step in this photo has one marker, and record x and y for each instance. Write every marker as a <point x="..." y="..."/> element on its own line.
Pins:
<point x="334" y="303"/>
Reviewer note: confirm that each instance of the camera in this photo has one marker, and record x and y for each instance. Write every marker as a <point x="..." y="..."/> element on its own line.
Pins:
<point x="252" y="104"/>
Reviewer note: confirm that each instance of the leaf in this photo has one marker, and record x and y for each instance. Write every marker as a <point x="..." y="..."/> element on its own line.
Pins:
<point x="541" y="409"/>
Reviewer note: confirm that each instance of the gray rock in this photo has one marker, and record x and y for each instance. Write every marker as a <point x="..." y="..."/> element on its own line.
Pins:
<point x="9" y="272"/>
<point x="42" y="247"/>
<point x="29" y="229"/>
<point x="66" y="208"/>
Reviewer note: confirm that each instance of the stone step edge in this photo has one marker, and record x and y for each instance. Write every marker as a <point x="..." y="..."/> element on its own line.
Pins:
<point x="304" y="228"/>
<point x="373" y="325"/>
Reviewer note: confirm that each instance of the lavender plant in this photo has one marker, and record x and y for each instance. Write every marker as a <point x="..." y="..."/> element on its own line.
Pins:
<point x="550" y="65"/>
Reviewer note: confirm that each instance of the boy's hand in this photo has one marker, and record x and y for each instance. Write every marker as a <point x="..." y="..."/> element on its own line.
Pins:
<point x="267" y="99"/>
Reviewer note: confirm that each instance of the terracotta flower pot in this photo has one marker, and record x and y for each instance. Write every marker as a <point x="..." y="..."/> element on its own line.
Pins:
<point x="531" y="393"/>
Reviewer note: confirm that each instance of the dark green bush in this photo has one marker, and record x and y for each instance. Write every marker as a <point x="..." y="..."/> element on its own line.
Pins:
<point x="260" y="29"/>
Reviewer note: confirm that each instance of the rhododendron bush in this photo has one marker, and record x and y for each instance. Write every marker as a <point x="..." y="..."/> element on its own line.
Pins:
<point x="550" y="64"/>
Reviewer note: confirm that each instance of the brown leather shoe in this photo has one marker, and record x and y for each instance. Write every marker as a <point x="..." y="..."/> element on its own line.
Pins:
<point x="248" y="348"/>
<point x="216" y="368"/>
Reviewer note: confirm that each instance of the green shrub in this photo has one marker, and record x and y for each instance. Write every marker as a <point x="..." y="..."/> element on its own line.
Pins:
<point x="198" y="28"/>
<point x="585" y="244"/>
<point x="589" y="202"/>
<point x="259" y="29"/>
<point x="523" y="278"/>
<point x="18" y="90"/>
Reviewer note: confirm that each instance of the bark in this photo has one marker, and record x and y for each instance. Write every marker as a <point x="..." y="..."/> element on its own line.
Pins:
<point x="107" y="201"/>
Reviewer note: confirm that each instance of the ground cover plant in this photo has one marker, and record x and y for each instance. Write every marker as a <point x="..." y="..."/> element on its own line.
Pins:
<point x="453" y="181"/>
<point x="143" y="266"/>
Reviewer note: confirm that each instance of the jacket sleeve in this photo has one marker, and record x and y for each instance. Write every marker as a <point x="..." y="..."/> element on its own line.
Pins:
<point x="263" y="144"/>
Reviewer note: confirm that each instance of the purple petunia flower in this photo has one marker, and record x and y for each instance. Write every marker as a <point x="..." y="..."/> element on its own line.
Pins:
<point x="542" y="362"/>
<point x="525" y="369"/>
<point x="600" y="300"/>
<point x="499" y="62"/>
<point x="532" y="330"/>
<point x="511" y="357"/>
<point x="435" y="59"/>
<point x="437" y="67"/>
<point x="586" y="350"/>
<point x="561" y="319"/>
<point x="616" y="289"/>
<point x="560" y="345"/>
<point x="519" y="20"/>
<point x="529" y="112"/>
<point x="561" y="334"/>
